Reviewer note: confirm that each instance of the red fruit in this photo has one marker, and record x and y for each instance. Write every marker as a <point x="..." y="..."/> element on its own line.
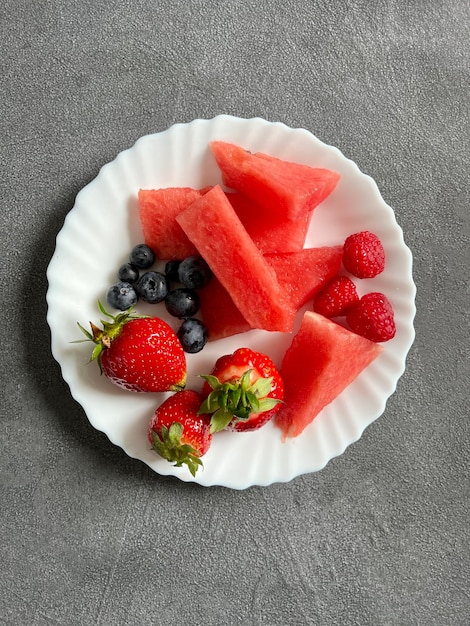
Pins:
<point x="290" y="190"/>
<point x="372" y="317"/>
<point x="363" y="255"/>
<point x="158" y="209"/>
<point x="301" y="274"/>
<point x="138" y="353"/>
<point x="243" y="392"/>
<point x="336" y="298"/>
<point x="323" y="359"/>
<point x="215" y="229"/>
<point x="178" y="433"/>
<point x="270" y="232"/>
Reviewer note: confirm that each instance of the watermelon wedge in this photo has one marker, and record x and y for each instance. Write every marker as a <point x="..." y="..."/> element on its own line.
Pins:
<point x="292" y="190"/>
<point x="158" y="209"/>
<point x="271" y="233"/>
<point x="323" y="359"/>
<point x="301" y="274"/>
<point x="221" y="239"/>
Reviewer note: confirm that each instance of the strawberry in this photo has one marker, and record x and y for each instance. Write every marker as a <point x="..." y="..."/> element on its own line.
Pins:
<point x="336" y="297"/>
<point x="138" y="353"/>
<point x="363" y="255"/>
<point x="177" y="431"/>
<point x="372" y="317"/>
<point x="243" y="392"/>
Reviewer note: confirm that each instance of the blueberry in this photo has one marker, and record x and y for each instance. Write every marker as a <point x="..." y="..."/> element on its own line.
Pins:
<point x="152" y="287"/>
<point x="193" y="335"/>
<point x="182" y="302"/>
<point x="194" y="272"/>
<point x="171" y="270"/>
<point x="121" y="295"/>
<point x="128" y="273"/>
<point x="142" y="256"/>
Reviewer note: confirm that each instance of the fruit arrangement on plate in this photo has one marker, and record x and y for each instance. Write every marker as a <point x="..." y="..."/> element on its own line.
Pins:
<point x="241" y="301"/>
<point x="247" y="277"/>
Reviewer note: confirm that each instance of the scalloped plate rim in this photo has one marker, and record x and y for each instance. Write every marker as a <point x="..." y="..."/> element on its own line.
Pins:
<point x="408" y="333"/>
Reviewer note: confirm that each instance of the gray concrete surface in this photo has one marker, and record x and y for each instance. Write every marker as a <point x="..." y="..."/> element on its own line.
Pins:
<point x="380" y="537"/>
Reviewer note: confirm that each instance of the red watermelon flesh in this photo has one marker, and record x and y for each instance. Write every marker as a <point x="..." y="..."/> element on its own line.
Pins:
<point x="158" y="209"/>
<point x="214" y="228"/>
<point x="301" y="274"/>
<point x="270" y="232"/>
<point x="290" y="189"/>
<point x="219" y="313"/>
<point x="323" y="359"/>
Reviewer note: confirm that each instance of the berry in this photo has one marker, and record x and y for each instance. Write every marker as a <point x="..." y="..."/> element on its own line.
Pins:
<point x="372" y="317"/>
<point x="193" y="335"/>
<point x="336" y="297"/>
<point x="128" y="273"/>
<point x="152" y="287"/>
<point x="363" y="255"/>
<point x="171" y="271"/>
<point x="142" y="256"/>
<point x="121" y="295"/>
<point x="194" y="272"/>
<point x="182" y="302"/>
<point x="243" y="391"/>
<point x="138" y="353"/>
<point x="178" y="433"/>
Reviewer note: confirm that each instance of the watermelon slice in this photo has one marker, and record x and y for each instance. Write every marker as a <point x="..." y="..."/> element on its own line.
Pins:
<point x="301" y="274"/>
<point x="157" y="211"/>
<point x="323" y="359"/>
<point x="292" y="190"/>
<point x="271" y="233"/>
<point x="214" y="228"/>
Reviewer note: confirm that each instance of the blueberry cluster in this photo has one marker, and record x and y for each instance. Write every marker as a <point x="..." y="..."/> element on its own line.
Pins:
<point x="177" y="287"/>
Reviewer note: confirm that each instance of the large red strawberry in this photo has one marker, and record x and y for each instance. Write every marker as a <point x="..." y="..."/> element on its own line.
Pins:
<point x="138" y="353"/>
<point x="243" y="392"/>
<point x="177" y="431"/>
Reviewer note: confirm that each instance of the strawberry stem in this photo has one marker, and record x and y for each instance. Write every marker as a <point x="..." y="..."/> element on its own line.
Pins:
<point x="237" y="398"/>
<point x="103" y="337"/>
<point x="169" y="447"/>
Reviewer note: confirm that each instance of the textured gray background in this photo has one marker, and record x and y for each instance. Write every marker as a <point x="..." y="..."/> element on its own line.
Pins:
<point x="381" y="535"/>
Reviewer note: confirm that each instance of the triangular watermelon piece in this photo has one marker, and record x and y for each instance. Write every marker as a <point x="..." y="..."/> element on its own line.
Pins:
<point x="323" y="359"/>
<point x="157" y="211"/>
<point x="301" y="274"/>
<point x="221" y="239"/>
<point x="292" y="190"/>
<point x="270" y="232"/>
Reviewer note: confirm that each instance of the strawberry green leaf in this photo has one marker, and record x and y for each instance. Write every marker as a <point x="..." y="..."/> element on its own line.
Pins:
<point x="262" y="386"/>
<point x="213" y="381"/>
<point x="237" y="398"/>
<point x="266" y="404"/>
<point x="220" y="420"/>
<point x="170" y="447"/>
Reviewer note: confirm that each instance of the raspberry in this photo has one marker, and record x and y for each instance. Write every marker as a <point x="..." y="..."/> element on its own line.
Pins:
<point x="336" y="297"/>
<point x="363" y="255"/>
<point x="372" y="317"/>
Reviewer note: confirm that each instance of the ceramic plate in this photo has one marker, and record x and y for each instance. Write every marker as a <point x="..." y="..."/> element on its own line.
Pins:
<point x="102" y="228"/>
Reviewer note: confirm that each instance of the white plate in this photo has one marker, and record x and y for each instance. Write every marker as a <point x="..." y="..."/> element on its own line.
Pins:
<point x="97" y="237"/>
